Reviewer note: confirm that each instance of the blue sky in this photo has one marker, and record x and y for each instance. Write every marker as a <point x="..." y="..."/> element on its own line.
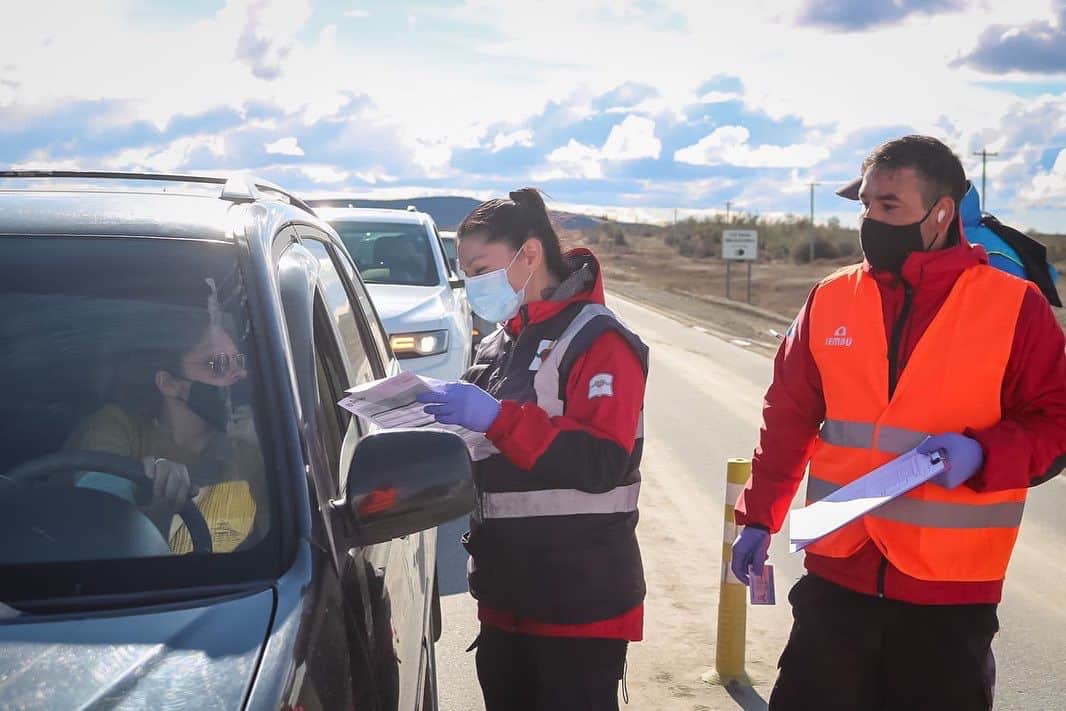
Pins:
<point x="627" y="107"/>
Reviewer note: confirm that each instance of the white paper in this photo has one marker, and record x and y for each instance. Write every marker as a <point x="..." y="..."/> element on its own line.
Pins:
<point x="862" y="496"/>
<point x="390" y="403"/>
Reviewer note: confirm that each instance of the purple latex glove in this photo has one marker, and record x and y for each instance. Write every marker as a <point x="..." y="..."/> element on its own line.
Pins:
<point x="965" y="458"/>
<point x="463" y="404"/>
<point x="750" y="550"/>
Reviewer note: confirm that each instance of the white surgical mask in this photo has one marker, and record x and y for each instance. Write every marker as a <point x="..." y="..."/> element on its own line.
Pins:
<point x="491" y="295"/>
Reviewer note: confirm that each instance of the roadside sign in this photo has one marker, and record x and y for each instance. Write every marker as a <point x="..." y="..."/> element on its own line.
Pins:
<point x="740" y="245"/>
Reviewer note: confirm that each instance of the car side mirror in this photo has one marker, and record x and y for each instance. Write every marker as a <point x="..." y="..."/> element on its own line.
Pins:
<point x="404" y="481"/>
<point x="457" y="283"/>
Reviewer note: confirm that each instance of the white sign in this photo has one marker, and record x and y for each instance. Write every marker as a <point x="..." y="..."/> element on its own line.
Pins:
<point x="740" y="245"/>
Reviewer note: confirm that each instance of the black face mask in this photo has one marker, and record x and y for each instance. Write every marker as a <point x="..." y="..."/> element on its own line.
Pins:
<point x="886" y="246"/>
<point x="212" y="403"/>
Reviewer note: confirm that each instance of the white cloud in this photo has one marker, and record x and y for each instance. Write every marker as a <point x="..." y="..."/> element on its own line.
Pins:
<point x="324" y="173"/>
<point x="287" y="146"/>
<point x="574" y="160"/>
<point x="719" y="97"/>
<point x="1048" y="186"/>
<point x="357" y="14"/>
<point x="728" y="145"/>
<point x="521" y="137"/>
<point x="632" y="139"/>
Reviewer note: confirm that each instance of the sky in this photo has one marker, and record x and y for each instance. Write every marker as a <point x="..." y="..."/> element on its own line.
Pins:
<point x="630" y="108"/>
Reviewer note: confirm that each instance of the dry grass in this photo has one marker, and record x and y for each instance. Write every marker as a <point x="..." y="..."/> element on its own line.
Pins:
<point x="779" y="286"/>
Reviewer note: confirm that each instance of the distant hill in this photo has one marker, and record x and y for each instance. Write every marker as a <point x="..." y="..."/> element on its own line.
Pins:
<point x="448" y="211"/>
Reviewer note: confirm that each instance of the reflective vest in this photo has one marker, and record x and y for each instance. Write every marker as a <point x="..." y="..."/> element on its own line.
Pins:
<point x="548" y="553"/>
<point x="953" y="381"/>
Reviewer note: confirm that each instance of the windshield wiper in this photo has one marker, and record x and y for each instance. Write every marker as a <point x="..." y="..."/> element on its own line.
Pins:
<point x="117" y="601"/>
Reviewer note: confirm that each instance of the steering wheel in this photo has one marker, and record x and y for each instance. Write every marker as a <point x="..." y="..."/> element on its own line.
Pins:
<point x="127" y="468"/>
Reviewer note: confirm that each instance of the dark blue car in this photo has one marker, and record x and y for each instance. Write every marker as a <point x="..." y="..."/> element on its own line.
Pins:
<point x="187" y="519"/>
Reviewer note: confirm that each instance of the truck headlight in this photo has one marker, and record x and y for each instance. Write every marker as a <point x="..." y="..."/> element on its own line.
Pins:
<point x="418" y="345"/>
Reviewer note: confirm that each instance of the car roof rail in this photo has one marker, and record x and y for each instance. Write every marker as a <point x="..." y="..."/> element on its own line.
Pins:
<point x="237" y="188"/>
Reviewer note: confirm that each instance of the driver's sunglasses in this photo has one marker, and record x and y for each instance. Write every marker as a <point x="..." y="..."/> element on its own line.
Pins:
<point x="222" y="364"/>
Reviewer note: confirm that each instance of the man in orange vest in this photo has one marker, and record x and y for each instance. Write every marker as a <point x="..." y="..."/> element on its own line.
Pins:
<point x="923" y="345"/>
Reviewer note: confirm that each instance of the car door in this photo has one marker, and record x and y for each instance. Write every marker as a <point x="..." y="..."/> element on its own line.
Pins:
<point x="391" y="577"/>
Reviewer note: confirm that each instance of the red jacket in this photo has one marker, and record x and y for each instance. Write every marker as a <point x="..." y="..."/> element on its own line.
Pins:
<point x="605" y="428"/>
<point x="1022" y="448"/>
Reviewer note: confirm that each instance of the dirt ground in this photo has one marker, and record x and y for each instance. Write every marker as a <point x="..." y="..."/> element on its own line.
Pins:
<point x="645" y="268"/>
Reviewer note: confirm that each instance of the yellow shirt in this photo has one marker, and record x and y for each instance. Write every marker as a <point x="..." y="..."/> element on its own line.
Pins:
<point x="229" y="506"/>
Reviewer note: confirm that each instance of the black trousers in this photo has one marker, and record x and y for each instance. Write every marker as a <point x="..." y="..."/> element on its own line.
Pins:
<point x="855" y="652"/>
<point x="524" y="673"/>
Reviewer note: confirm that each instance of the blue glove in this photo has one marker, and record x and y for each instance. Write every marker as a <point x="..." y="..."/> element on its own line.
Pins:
<point x="965" y="458"/>
<point x="463" y="404"/>
<point x="750" y="550"/>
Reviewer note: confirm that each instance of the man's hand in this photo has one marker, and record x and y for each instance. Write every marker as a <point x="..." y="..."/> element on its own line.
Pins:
<point x="171" y="487"/>
<point x="463" y="404"/>
<point x="965" y="458"/>
<point x="750" y="550"/>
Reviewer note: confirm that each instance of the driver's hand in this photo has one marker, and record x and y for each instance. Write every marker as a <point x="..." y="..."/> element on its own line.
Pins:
<point x="171" y="486"/>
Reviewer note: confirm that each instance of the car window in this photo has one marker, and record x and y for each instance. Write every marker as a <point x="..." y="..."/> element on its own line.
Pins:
<point x="374" y="337"/>
<point x="354" y="354"/>
<point x="119" y="356"/>
<point x="335" y="423"/>
<point x="390" y="253"/>
<point x="451" y="251"/>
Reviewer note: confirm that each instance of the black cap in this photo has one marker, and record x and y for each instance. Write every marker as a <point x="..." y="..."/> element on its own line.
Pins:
<point x="851" y="190"/>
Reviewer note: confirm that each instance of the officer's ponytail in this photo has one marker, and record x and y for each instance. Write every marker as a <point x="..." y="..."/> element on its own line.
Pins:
<point x="514" y="221"/>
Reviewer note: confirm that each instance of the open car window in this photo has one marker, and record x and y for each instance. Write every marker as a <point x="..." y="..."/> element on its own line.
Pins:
<point x="122" y="359"/>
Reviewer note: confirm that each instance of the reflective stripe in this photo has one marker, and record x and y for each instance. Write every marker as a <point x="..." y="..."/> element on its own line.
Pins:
<point x="860" y="435"/>
<point x="897" y="440"/>
<point x="940" y="514"/>
<point x="933" y="514"/>
<point x="559" y="502"/>
<point x="546" y="381"/>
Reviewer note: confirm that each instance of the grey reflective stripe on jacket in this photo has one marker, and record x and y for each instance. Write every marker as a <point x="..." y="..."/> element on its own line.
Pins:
<point x="933" y="514"/>
<point x="562" y="502"/>
<point x="865" y="435"/>
<point x="559" y="502"/>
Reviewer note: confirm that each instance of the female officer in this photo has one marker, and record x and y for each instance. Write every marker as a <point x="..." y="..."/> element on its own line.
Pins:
<point x="558" y="391"/>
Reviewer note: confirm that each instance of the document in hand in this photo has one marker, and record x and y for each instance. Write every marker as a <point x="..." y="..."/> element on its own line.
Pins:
<point x="862" y="496"/>
<point x="390" y="403"/>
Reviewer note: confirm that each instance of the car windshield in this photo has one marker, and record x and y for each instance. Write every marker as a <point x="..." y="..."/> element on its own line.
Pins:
<point x="390" y="253"/>
<point x="129" y="417"/>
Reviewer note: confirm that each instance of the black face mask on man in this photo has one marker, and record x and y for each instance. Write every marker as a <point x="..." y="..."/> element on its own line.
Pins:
<point x="886" y="247"/>
<point x="212" y="403"/>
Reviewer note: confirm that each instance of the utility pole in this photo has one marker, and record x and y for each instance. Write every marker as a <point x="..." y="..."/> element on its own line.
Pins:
<point x="812" y="186"/>
<point x="728" y="204"/>
<point x="985" y="155"/>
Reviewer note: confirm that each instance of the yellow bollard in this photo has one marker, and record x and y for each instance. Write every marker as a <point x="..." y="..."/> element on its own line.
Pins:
<point x="733" y="596"/>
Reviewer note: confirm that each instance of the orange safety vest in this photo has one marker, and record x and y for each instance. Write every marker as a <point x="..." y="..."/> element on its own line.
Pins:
<point x="952" y="382"/>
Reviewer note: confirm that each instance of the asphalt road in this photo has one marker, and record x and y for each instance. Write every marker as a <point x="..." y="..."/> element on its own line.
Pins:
<point x="703" y="407"/>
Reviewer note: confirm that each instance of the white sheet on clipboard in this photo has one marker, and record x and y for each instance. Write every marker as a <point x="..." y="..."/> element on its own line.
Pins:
<point x="862" y="496"/>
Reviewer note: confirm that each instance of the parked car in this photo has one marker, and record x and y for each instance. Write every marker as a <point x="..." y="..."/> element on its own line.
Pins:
<point x="481" y="327"/>
<point x="301" y="573"/>
<point x="421" y="300"/>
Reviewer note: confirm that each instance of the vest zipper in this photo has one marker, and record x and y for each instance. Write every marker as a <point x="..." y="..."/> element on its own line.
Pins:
<point x="881" y="570"/>
<point x="897" y="338"/>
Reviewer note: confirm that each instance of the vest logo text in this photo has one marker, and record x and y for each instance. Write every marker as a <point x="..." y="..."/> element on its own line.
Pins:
<point x="840" y="338"/>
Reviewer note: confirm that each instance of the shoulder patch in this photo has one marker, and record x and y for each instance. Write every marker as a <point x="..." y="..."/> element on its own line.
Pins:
<point x="601" y="385"/>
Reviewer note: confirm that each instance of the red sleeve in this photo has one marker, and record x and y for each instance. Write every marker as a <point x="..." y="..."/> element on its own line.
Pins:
<point x="793" y="411"/>
<point x="1026" y="443"/>
<point x="589" y="446"/>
